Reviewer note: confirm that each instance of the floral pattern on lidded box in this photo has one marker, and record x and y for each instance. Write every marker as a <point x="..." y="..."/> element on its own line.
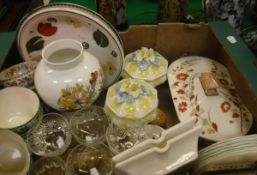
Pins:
<point x="131" y="100"/>
<point x="146" y="64"/>
<point x="202" y="88"/>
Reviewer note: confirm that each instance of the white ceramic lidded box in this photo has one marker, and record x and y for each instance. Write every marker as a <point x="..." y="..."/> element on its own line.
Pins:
<point x="146" y="64"/>
<point x="131" y="100"/>
<point x="203" y="88"/>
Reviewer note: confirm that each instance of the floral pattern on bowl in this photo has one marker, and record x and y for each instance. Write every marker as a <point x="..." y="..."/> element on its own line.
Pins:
<point x="146" y="64"/>
<point x="131" y="100"/>
<point x="59" y="21"/>
<point x="221" y="112"/>
<point x="21" y="74"/>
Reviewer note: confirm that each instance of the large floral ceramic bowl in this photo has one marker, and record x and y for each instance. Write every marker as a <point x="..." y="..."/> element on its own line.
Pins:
<point x="131" y="100"/>
<point x="21" y="74"/>
<point x="146" y="64"/>
<point x="62" y="21"/>
<point x="203" y="88"/>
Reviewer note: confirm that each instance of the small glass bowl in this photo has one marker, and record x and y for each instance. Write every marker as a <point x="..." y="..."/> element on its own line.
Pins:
<point x="120" y="137"/>
<point x="89" y="125"/>
<point x="52" y="137"/>
<point x="95" y="159"/>
<point x="48" y="166"/>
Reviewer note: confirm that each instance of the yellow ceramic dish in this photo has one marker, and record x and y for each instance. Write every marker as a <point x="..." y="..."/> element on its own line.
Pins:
<point x="146" y="64"/>
<point x="131" y="100"/>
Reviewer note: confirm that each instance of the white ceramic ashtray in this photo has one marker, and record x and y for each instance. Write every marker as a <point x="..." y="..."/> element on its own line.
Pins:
<point x="203" y="88"/>
<point x="176" y="147"/>
<point x="131" y="100"/>
<point x="146" y="64"/>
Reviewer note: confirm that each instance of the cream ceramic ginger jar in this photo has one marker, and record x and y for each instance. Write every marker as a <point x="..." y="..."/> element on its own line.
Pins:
<point x="146" y="64"/>
<point x="67" y="77"/>
<point x="131" y="100"/>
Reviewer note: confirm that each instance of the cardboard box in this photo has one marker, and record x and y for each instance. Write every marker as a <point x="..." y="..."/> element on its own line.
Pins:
<point x="218" y="41"/>
<point x="174" y="40"/>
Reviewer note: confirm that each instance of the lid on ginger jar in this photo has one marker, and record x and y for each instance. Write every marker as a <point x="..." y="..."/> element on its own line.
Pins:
<point x="146" y="64"/>
<point x="131" y="100"/>
<point x="203" y="88"/>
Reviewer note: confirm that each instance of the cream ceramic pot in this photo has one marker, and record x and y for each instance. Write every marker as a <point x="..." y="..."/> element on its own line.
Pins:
<point x="67" y="77"/>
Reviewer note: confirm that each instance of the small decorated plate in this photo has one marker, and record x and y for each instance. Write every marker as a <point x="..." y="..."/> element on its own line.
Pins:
<point x="203" y="88"/>
<point x="146" y="64"/>
<point x="130" y="101"/>
<point x="58" y="21"/>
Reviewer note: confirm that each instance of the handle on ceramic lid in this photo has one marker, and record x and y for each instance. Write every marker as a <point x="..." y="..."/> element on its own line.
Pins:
<point x="209" y="84"/>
